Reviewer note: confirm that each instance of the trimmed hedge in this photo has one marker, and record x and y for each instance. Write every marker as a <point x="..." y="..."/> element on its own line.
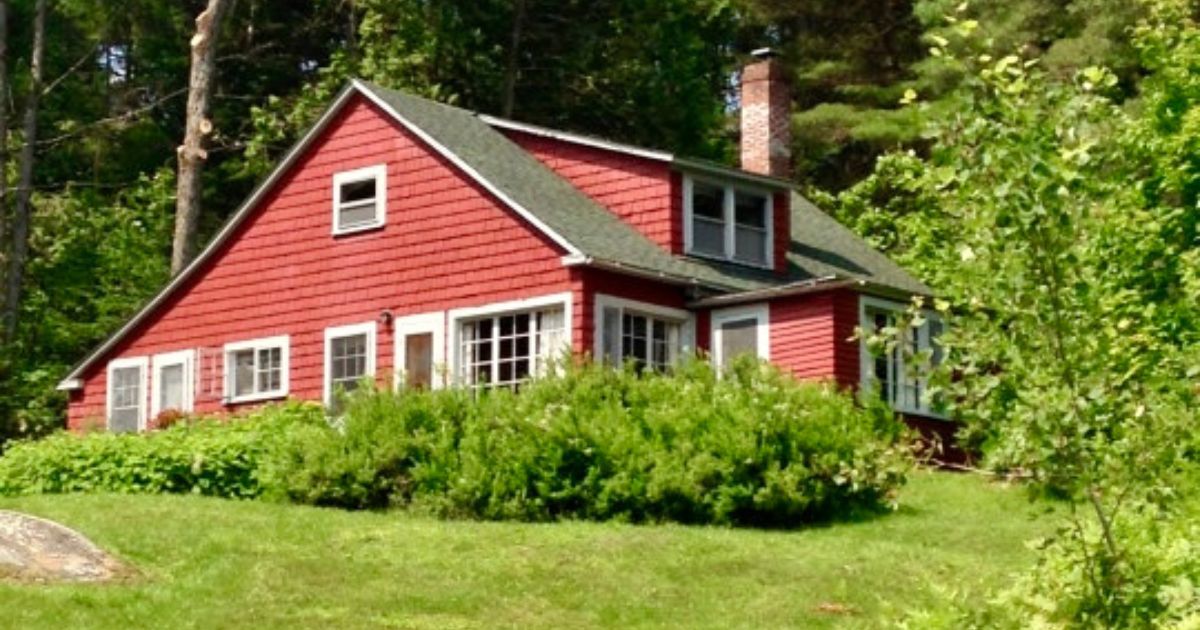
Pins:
<point x="751" y="447"/>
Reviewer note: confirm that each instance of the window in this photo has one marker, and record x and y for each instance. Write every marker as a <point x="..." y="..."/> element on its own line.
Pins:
<point x="503" y="350"/>
<point x="738" y="331"/>
<point x="127" y="394"/>
<point x="174" y="387"/>
<point x="359" y="199"/>
<point x="256" y="370"/>
<point x="349" y="357"/>
<point x="646" y="334"/>
<point x="900" y="382"/>
<point x="727" y="222"/>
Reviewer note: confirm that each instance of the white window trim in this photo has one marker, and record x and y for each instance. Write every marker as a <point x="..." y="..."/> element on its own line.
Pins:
<point x="337" y="332"/>
<point x="686" y="319"/>
<point x="761" y="313"/>
<point x="187" y="358"/>
<point x="730" y="225"/>
<point x="455" y="318"/>
<point x="377" y="172"/>
<point x="866" y="360"/>
<point x="143" y="364"/>
<point x="283" y="342"/>
<point x="433" y="323"/>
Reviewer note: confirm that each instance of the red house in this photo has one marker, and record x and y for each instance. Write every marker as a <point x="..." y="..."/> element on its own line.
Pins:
<point x="439" y="246"/>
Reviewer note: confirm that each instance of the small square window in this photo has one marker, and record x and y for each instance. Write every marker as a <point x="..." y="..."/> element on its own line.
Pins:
<point x="256" y="370"/>
<point x="359" y="199"/>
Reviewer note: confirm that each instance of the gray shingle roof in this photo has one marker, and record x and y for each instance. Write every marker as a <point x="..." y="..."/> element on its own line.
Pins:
<point x="820" y="247"/>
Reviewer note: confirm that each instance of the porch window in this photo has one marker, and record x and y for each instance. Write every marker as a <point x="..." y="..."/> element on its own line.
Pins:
<point x="127" y="395"/>
<point x="349" y="357"/>
<point x="649" y="336"/>
<point x="256" y="370"/>
<point x="901" y="383"/>
<point x="727" y="222"/>
<point x="504" y="349"/>
<point x="359" y="199"/>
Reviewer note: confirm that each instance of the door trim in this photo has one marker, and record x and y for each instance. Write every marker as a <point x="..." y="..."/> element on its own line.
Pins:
<point x="433" y="323"/>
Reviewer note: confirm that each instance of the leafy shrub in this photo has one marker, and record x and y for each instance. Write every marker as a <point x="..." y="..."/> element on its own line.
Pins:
<point x="754" y="448"/>
<point x="210" y="457"/>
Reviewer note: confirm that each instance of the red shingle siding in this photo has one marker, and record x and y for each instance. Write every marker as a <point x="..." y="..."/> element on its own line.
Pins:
<point x="809" y="336"/>
<point x="639" y="190"/>
<point x="447" y="244"/>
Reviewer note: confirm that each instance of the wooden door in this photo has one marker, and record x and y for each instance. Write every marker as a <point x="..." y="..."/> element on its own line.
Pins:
<point x="418" y="360"/>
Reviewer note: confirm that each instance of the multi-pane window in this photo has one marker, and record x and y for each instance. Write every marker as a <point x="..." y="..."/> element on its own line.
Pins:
<point x="359" y="199"/>
<point x="727" y="222"/>
<point x="126" y="395"/>
<point x="638" y="336"/>
<point x="256" y="370"/>
<point x="901" y="380"/>
<point x="503" y="350"/>
<point x="349" y="357"/>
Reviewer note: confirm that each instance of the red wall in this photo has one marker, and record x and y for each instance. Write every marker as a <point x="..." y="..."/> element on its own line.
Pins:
<point x="810" y="335"/>
<point x="638" y="190"/>
<point x="447" y="244"/>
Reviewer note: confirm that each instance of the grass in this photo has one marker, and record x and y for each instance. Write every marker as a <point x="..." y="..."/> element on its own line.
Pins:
<point x="208" y="563"/>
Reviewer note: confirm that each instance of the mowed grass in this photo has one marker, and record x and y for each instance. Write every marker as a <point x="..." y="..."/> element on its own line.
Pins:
<point x="210" y="563"/>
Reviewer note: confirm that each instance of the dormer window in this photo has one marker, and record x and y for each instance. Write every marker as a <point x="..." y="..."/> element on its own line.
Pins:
<point x="727" y="222"/>
<point x="359" y="199"/>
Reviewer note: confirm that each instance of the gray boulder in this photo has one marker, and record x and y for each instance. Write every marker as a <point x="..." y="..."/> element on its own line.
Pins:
<point x="32" y="548"/>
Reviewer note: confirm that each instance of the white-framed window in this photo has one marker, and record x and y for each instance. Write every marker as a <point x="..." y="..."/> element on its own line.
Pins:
<point x="501" y="345"/>
<point x="349" y="357"/>
<point x="126" y="401"/>
<point x="728" y="222"/>
<point x="649" y="335"/>
<point x="902" y="385"/>
<point x="256" y="369"/>
<point x="173" y="385"/>
<point x="741" y="330"/>
<point x="420" y="350"/>
<point x="359" y="199"/>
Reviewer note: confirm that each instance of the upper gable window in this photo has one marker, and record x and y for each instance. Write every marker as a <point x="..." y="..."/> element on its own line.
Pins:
<point x="359" y="199"/>
<point x="727" y="222"/>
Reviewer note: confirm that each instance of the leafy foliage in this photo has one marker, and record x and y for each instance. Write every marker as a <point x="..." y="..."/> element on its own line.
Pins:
<point x="751" y="448"/>
<point x="209" y="457"/>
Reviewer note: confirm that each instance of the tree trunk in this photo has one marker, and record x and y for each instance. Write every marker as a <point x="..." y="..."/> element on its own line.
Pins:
<point x="192" y="155"/>
<point x="513" y="64"/>
<point x="20" y="226"/>
<point x="3" y="145"/>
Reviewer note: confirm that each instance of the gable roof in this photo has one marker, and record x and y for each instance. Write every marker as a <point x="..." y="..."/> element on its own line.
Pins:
<point x="821" y="249"/>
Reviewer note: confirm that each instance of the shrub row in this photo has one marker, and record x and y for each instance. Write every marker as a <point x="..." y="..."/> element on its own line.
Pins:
<point x="753" y="447"/>
<point x="209" y="457"/>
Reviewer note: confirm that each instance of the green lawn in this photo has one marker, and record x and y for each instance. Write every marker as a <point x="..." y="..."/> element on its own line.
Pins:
<point x="208" y="563"/>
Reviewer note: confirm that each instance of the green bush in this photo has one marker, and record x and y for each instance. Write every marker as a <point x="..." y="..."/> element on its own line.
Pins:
<point x="209" y="457"/>
<point x="752" y="448"/>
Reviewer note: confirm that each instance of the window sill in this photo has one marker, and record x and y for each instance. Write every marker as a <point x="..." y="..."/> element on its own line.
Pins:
<point x="732" y="261"/>
<point x="358" y="229"/>
<point x="249" y="398"/>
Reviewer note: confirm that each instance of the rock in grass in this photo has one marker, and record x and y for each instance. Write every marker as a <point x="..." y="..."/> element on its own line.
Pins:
<point x="35" y="549"/>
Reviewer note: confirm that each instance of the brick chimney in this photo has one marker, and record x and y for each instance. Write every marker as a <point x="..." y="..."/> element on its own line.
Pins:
<point x="766" y="116"/>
